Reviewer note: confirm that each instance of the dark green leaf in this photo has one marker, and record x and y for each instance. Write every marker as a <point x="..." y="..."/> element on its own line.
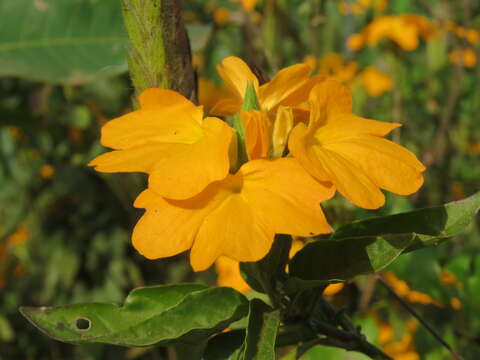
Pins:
<point x="344" y="259"/>
<point x="261" y="334"/>
<point x="271" y="268"/>
<point x="152" y="315"/>
<point x="224" y="346"/>
<point x="370" y="245"/>
<point x="62" y="41"/>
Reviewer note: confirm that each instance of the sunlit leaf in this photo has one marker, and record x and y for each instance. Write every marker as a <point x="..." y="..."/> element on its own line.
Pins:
<point x="370" y="245"/>
<point x="151" y="315"/>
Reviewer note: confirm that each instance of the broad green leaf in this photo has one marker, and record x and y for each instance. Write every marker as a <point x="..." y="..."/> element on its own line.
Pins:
<point x="370" y="245"/>
<point x="225" y="345"/>
<point x="152" y="315"/>
<point x="271" y="268"/>
<point x="344" y="259"/>
<point x="62" y="41"/>
<point x="430" y="225"/>
<point x="261" y="333"/>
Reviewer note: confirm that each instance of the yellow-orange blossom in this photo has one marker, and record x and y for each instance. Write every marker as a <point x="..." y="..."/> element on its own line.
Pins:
<point x="196" y="201"/>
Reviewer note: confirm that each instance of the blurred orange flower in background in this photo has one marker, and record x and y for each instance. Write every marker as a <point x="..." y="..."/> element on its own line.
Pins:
<point x="404" y="30"/>
<point x="360" y="6"/>
<point x="247" y="5"/>
<point x="463" y="57"/>
<point x="375" y="82"/>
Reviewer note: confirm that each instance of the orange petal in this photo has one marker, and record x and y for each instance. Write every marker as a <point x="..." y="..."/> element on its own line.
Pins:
<point x="287" y="196"/>
<point x="183" y="170"/>
<point x="228" y="271"/>
<point x="390" y="166"/>
<point x="332" y="97"/>
<point x="165" y="230"/>
<point x="325" y="165"/>
<point x="165" y="124"/>
<point x="234" y="230"/>
<point x="155" y="97"/>
<point x="237" y="74"/>
<point x="139" y="159"/>
<point x="346" y="126"/>
<point x="226" y="107"/>
<point x="258" y="130"/>
<point x="288" y="83"/>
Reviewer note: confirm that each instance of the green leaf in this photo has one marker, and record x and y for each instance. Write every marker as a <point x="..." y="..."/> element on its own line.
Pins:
<point x="370" y="245"/>
<point x="62" y="41"/>
<point x="430" y="225"/>
<point x="159" y="315"/>
<point x="224" y="345"/>
<point x="250" y="101"/>
<point x="344" y="259"/>
<point x="261" y="334"/>
<point x="263" y="274"/>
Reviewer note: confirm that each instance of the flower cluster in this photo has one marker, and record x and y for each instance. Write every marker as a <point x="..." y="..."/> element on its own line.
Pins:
<point x="222" y="190"/>
<point x="404" y="30"/>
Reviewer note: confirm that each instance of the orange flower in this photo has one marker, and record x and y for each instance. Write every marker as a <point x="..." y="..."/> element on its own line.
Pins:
<point x="375" y="81"/>
<point x="404" y="30"/>
<point x="333" y="66"/>
<point x="236" y="217"/>
<point x="47" y="171"/>
<point x="289" y="87"/>
<point x="247" y="5"/>
<point x="348" y="151"/>
<point x="229" y="274"/>
<point x="168" y="139"/>
<point x="463" y="57"/>
<point x="221" y="15"/>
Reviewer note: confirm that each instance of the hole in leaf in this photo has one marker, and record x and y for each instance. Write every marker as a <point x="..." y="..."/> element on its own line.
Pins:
<point x="83" y="324"/>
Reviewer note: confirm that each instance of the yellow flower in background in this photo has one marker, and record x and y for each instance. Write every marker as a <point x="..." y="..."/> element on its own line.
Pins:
<point x="168" y="139"/>
<point x="333" y="66"/>
<point x="375" y="82"/>
<point x="473" y="36"/>
<point x="236" y="217"/>
<point x="455" y="303"/>
<point x="221" y="15"/>
<point x="361" y="6"/>
<point x="403" y="290"/>
<point x="348" y="151"/>
<point x="447" y="278"/>
<point x="470" y="34"/>
<point x="247" y="5"/>
<point x="47" y="171"/>
<point x="228" y="271"/>
<point x="405" y="30"/>
<point x="474" y="148"/>
<point x="463" y="57"/>
<point x="289" y="87"/>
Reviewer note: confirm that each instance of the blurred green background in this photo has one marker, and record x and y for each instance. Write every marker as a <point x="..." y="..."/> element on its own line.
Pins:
<point x="64" y="229"/>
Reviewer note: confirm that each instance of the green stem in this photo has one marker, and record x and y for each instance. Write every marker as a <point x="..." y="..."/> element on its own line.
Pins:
<point x="159" y="52"/>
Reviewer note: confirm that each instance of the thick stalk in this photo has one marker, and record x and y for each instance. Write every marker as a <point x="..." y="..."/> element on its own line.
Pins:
<point x="159" y="50"/>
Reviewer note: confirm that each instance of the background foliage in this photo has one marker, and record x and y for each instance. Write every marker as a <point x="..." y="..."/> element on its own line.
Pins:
<point x="64" y="229"/>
